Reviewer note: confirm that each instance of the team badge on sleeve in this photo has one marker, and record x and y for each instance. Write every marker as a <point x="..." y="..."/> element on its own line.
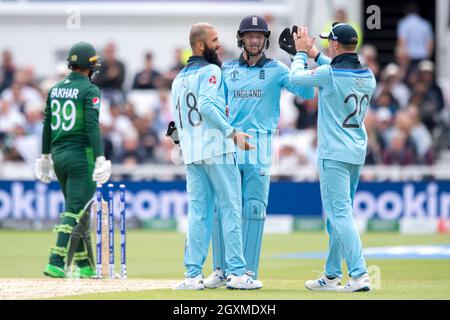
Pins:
<point x="213" y="80"/>
<point x="96" y="103"/>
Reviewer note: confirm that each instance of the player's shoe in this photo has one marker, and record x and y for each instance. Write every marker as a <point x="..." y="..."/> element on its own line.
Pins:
<point x="323" y="284"/>
<point x="252" y="274"/>
<point x="195" y="283"/>
<point x="87" y="272"/>
<point x="361" y="284"/>
<point x="215" y="280"/>
<point x="54" y="271"/>
<point x="244" y="282"/>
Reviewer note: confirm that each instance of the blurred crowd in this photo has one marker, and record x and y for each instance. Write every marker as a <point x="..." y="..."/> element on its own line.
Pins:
<point x="407" y="120"/>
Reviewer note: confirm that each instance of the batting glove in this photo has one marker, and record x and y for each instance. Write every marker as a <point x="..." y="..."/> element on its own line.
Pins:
<point x="43" y="168"/>
<point x="102" y="170"/>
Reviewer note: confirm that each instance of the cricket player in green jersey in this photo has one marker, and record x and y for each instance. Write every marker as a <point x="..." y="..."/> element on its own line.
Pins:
<point x="72" y="149"/>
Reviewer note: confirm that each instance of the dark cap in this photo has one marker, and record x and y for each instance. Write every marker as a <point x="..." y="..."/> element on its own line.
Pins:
<point x="342" y="33"/>
<point x="253" y="23"/>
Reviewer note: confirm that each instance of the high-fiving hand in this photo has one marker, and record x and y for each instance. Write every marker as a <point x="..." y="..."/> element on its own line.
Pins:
<point x="304" y="43"/>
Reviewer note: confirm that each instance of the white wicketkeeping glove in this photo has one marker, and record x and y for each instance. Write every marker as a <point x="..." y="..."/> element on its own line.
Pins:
<point x="43" y="168"/>
<point x="102" y="170"/>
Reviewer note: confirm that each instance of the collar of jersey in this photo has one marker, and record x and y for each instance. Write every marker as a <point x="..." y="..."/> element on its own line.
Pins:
<point x="346" y="61"/>
<point x="76" y="75"/>
<point x="259" y="63"/>
<point x="196" y="60"/>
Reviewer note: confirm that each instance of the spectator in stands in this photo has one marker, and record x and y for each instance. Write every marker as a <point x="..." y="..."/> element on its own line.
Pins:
<point x="369" y="57"/>
<point x="27" y="144"/>
<point x="375" y="142"/>
<point x="34" y="115"/>
<point x="148" y="138"/>
<point x="106" y="128"/>
<point x="288" y="155"/>
<point x="432" y="99"/>
<point x="111" y="76"/>
<point x="29" y="77"/>
<point x="308" y="113"/>
<point x="178" y="65"/>
<point x="384" y="125"/>
<point x="7" y="70"/>
<point x="129" y="110"/>
<point x="10" y="140"/>
<point x="416" y="35"/>
<point x="61" y="71"/>
<point x="108" y="147"/>
<point x="385" y="99"/>
<point x="420" y="136"/>
<point x="296" y="148"/>
<point x="19" y="93"/>
<point x="130" y="153"/>
<point x="398" y="152"/>
<point x="341" y="16"/>
<point x="402" y="60"/>
<point x="401" y="148"/>
<point x="149" y="78"/>
<point x="392" y="83"/>
<point x="9" y="118"/>
<point x="120" y="126"/>
<point x="163" y="112"/>
<point x="289" y="114"/>
<point x="403" y="122"/>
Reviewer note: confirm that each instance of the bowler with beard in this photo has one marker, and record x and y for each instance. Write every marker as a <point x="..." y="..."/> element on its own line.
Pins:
<point x="206" y="140"/>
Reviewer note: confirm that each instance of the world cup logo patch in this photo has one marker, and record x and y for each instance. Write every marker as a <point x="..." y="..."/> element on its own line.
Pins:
<point x="234" y="75"/>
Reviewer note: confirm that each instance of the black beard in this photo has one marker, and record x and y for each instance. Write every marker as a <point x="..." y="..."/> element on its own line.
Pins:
<point x="210" y="55"/>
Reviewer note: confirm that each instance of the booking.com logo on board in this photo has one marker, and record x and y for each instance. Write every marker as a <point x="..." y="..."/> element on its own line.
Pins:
<point x="146" y="200"/>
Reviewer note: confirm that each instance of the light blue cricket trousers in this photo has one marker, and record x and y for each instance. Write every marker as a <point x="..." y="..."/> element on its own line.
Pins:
<point x="338" y="183"/>
<point x="216" y="178"/>
<point x="255" y="194"/>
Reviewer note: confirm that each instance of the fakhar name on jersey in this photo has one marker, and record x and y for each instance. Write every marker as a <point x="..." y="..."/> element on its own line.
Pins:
<point x="67" y="93"/>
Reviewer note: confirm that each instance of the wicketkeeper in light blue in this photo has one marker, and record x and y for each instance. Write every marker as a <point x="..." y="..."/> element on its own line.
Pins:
<point x="206" y="140"/>
<point x="253" y="86"/>
<point x="345" y="90"/>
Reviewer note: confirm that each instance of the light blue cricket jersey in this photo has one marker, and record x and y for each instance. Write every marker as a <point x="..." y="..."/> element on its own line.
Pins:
<point x="253" y="98"/>
<point x="198" y="108"/>
<point x="345" y="90"/>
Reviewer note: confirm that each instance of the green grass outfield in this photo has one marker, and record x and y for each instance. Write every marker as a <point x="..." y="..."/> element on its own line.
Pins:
<point x="159" y="255"/>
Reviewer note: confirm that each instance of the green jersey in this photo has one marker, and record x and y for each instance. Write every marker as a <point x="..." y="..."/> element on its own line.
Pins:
<point x="71" y="116"/>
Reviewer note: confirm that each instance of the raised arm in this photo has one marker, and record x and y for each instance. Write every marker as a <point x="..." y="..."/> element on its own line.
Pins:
<point x="304" y="45"/>
<point x="298" y="90"/>
<point x="320" y="77"/>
